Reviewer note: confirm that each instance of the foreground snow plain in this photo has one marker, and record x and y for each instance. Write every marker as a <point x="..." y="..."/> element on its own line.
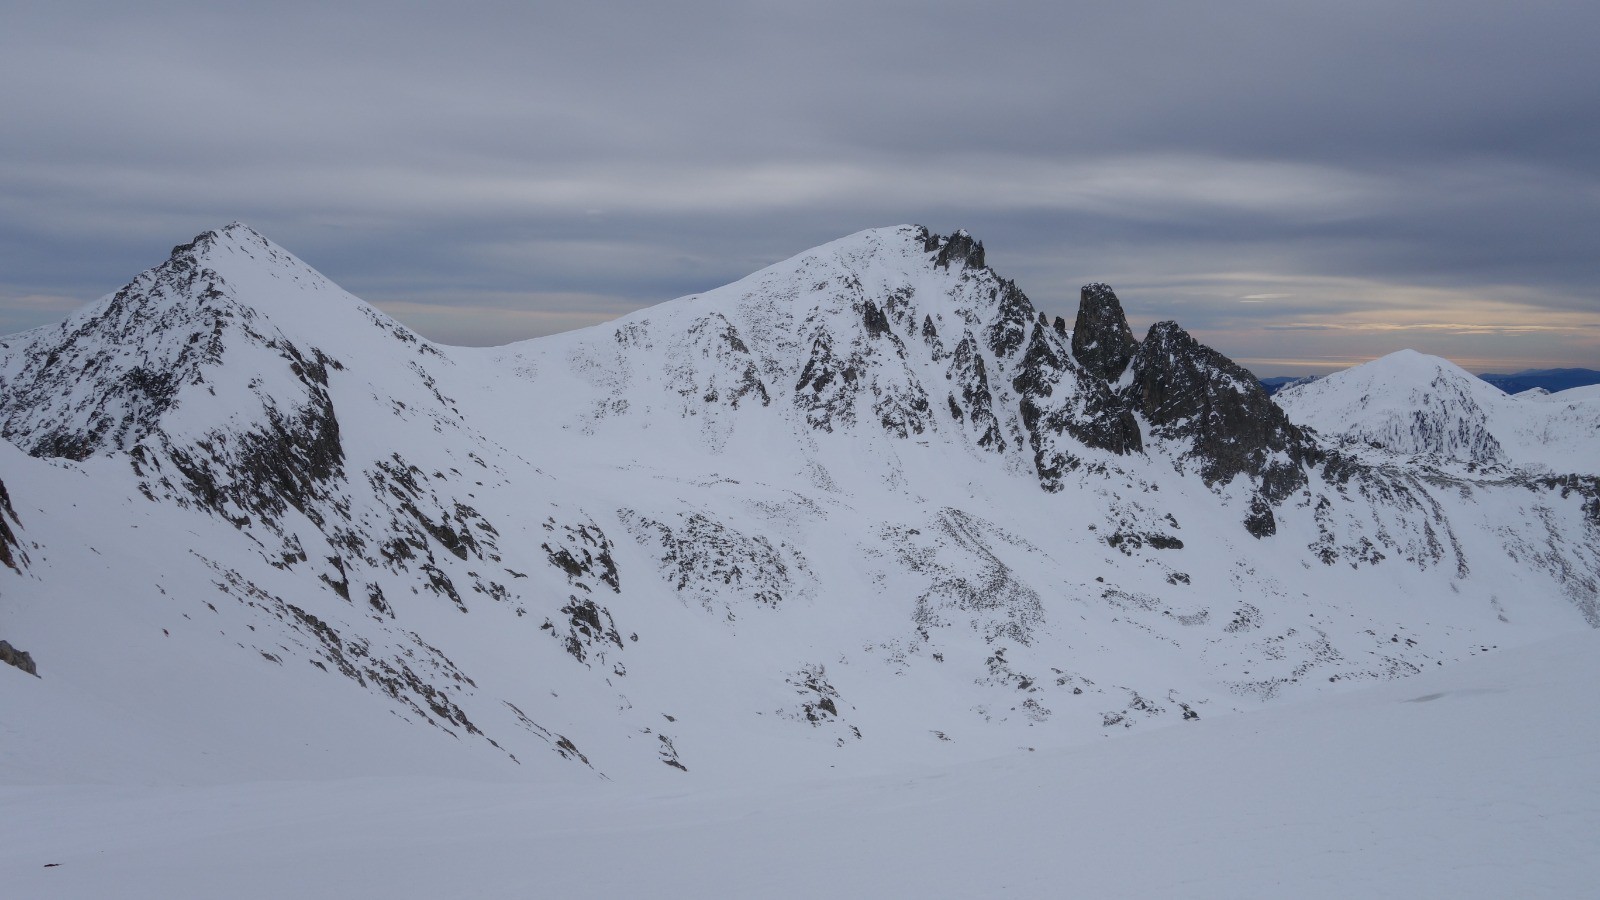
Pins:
<point x="1475" y="780"/>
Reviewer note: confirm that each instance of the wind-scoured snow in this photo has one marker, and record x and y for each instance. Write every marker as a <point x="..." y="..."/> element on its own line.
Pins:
<point x="862" y="512"/>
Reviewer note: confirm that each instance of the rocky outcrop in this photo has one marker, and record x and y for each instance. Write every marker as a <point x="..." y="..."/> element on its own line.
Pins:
<point x="976" y="404"/>
<point x="1190" y="393"/>
<point x="959" y="247"/>
<point x="11" y="656"/>
<point x="1064" y="409"/>
<point x="10" y="549"/>
<point x="1102" y="342"/>
<point x="102" y="380"/>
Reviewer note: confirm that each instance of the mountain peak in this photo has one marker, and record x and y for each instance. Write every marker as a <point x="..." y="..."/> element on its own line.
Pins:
<point x="1102" y="342"/>
<point x="235" y="234"/>
<point x="959" y="247"/>
<point x="108" y="376"/>
<point x="1408" y="403"/>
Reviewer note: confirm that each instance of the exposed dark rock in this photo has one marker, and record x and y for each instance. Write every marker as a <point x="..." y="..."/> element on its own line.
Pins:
<point x="1057" y="400"/>
<point x="1041" y="365"/>
<point x="967" y="581"/>
<point x="1102" y="342"/>
<point x="287" y="461"/>
<point x="732" y="376"/>
<point x="819" y="704"/>
<point x="1091" y="417"/>
<point x="811" y="682"/>
<point x="11" y="656"/>
<point x="669" y="754"/>
<point x="873" y="319"/>
<point x="1106" y="424"/>
<point x="1585" y="486"/>
<point x="589" y="627"/>
<point x="959" y="248"/>
<point x="718" y="566"/>
<point x="968" y="371"/>
<point x="930" y="336"/>
<point x="129" y="397"/>
<point x="1261" y="522"/>
<point x="828" y="385"/>
<point x="1014" y="317"/>
<point x="1129" y="541"/>
<point x="11" y="554"/>
<point x="1192" y="393"/>
<point x="582" y="551"/>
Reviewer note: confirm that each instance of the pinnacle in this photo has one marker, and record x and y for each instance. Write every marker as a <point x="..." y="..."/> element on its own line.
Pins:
<point x="1102" y="342"/>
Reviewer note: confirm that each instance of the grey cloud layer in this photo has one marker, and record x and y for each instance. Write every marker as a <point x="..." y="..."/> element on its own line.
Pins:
<point x="562" y="163"/>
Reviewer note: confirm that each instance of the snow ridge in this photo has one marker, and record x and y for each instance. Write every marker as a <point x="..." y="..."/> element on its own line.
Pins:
<point x="865" y="506"/>
<point x="1413" y="405"/>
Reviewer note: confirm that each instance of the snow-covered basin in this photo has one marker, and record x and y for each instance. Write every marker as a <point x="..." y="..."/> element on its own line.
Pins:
<point x="1476" y="780"/>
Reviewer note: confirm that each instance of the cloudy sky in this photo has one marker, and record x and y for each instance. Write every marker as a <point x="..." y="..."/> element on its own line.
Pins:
<point x="1305" y="186"/>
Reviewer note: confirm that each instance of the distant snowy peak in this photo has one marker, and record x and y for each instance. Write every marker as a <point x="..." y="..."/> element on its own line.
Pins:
<point x="1407" y="403"/>
<point x="1414" y="405"/>
<point x="1589" y="393"/>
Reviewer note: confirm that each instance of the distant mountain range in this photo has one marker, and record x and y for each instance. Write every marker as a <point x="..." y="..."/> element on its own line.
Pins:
<point x="1551" y="380"/>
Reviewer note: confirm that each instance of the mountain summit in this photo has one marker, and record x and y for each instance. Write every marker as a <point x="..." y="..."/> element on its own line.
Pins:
<point x="1436" y="413"/>
<point x="864" y="508"/>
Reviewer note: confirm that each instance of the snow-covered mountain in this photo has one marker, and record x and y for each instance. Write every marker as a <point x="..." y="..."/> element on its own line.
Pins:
<point x="864" y="508"/>
<point x="1436" y="413"/>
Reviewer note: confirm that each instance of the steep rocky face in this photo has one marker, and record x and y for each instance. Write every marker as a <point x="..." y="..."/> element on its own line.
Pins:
<point x="136" y="349"/>
<point x="1065" y="409"/>
<point x="959" y="247"/>
<point x="1102" y="342"/>
<point x="975" y="405"/>
<point x="1190" y="393"/>
<point x="11" y="555"/>
<point x="145" y="371"/>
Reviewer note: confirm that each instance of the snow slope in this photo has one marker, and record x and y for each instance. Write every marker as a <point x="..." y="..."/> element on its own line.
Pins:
<point x="1471" y="781"/>
<point x="863" y="510"/>
<point x="1589" y="393"/>
<point x="1414" y="405"/>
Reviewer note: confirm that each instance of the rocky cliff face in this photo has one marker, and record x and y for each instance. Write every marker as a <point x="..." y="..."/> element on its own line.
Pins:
<point x="11" y="555"/>
<point x="1102" y="342"/>
<point x="1221" y="417"/>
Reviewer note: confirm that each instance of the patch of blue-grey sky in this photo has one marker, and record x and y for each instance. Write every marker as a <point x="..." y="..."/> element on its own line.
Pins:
<point x="1304" y="188"/>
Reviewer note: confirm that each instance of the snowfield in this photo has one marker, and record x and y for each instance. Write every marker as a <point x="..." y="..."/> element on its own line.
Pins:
<point x="1472" y="781"/>
<point x="859" y="576"/>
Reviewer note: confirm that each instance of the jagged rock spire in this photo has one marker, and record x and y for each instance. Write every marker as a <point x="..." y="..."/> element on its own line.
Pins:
<point x="959" y="247"/>
<point x="1188" y="391"/>
<point x="1102" y="342"/>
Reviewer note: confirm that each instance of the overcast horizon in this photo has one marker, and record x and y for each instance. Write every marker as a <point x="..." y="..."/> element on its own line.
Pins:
<point x="1304" y="189"/>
